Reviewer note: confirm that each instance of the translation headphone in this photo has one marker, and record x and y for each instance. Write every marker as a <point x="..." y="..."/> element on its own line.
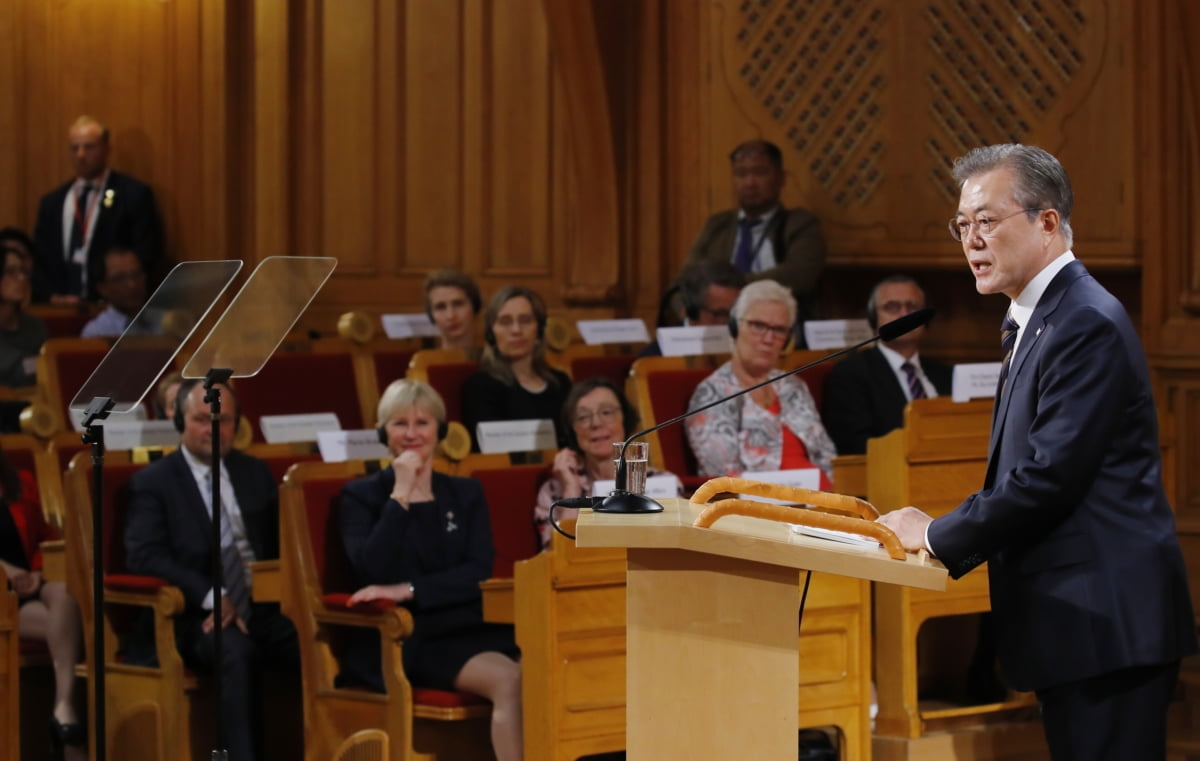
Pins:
<point x="443" y="429"/>
<point x="733" y="326"/>
<point x="185" y="390"/>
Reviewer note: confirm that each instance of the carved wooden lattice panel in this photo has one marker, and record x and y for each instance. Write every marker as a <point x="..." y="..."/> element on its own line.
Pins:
<point x="821" y="70"/>
<point x="816" y="66"/>
<point x="997" y="69"/>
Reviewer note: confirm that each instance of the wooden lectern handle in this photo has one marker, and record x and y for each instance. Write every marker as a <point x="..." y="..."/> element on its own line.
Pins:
<point x="842" y="504"/>
<point x="803" y="517"/>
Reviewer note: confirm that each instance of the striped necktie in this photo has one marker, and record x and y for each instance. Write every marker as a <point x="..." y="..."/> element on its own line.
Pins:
<point x="1008" y="341"/>
<point x="233" y="570"/>
<point x="916" y="389"/>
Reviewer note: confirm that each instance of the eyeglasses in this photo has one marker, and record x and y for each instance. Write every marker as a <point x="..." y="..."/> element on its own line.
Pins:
<point x="960" y="227"/>
<point x="758" y="329"/>
<point x="895" y="306"/>
<point x="18" y="271"/>
<point x="507" y="321"/>
<point x="604" y="415"/>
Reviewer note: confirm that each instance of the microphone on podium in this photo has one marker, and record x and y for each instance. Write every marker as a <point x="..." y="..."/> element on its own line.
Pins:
<point x="621" y="500"/>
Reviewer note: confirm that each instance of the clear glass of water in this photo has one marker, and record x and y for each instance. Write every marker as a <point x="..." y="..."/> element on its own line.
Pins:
<point x="636" y="460"/>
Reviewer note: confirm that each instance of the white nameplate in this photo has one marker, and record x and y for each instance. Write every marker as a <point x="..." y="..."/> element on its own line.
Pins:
<point x="835" y="334"/>
<point x="691" y="340"/>
<point x="130" y="434"/>
<point x="135" y="414"/>
<point x="285" y="429"/>
<point x="630" y="331"/>
<point x="804" y="478"/>
<point x="339" y="446"/>
<point x="657" y="487"/>
<point x="515" y="436"/>
<point x="975" y="381"/>
<point x="408" y="325"/>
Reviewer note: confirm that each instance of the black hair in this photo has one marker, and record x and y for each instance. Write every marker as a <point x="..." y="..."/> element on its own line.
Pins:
<point x="629" y="415"/>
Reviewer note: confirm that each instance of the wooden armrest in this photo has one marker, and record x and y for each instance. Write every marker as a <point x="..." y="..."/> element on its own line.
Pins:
<point x="498" y="600"/>
<point x="395" y="624"/>
<point x="267" y="581"/>
<point x="154" y="593"/>
<point x="54" y="560"/>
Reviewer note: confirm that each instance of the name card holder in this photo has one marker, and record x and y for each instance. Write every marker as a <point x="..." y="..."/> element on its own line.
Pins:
<point x="693" y="340"/>
<point x="132" y="434"/>
<point x="661" y="486"/>
<point x="502" y="436"/>
<point x="627" y="331"/>
<point x="288" y="429"/>
<point x="417" y="325"/>
<point x="835" y="334"/>
<point x="340" y="446"/>
<point x="975" y="380"/>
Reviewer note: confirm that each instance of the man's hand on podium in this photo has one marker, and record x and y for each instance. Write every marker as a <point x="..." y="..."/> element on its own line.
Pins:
<point x="909" y="525"/>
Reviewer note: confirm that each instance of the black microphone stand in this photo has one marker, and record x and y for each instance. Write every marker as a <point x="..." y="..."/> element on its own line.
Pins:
<point x="620" y="500"/>
<point x="212" y="395"/>
<point x="93" y="435"/>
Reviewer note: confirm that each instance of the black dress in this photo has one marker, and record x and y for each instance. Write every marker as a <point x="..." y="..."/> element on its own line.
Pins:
<point x="486" y="398"/>
<point x="444" y="547"/>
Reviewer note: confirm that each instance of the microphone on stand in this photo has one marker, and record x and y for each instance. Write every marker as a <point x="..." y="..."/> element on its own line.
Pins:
<point x="620" y="500"/>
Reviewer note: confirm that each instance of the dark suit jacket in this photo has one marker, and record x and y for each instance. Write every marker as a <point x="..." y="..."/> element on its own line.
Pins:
<point x="167" y="529"/>
<point x="1086" y="572"/>
<point x="132" y="220"/>
<point x="863" y="398"/>
<point x="795" y="236"/>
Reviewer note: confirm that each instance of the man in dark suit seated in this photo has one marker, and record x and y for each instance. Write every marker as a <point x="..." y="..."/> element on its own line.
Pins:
<point x="761" y="237"/>
<point x="168" y="534"/>
<point x="81" y="219"/>
<point x="866" y="393"/>
<point x="1089" y="591"/>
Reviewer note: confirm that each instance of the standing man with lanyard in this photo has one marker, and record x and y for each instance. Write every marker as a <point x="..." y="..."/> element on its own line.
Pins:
<point x="1089" y="592"/>
<point x="82" y="219"/>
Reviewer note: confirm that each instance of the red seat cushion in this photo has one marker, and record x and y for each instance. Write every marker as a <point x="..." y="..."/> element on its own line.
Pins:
<point x="127" y="582"/>
<point x="445" y="698"/>
<point x="338" y="600"/>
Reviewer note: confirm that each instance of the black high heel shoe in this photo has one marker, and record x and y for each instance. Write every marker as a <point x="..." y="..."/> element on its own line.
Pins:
<point x="62" y="735"/>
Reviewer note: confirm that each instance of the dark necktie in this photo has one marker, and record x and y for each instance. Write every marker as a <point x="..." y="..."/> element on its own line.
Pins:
<point x="1008" y="341"/>
<point x="233" y="570"/>
<point x="78" y="236"/>
<point x="916" y="389"/>
<point x="743" y="256"/>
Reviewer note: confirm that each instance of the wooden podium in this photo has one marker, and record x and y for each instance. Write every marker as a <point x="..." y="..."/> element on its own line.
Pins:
<point x="712" y="620"/>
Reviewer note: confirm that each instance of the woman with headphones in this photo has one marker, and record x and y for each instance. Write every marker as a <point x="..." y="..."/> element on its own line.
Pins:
<point x="424" y="540"/>
<point x="595" y="415"/>
<point x="514" y="382"/>
<point x="776" y="427"/>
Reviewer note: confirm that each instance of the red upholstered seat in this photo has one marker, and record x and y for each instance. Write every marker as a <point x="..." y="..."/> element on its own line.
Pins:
<point x="670" y="391"/>
<point x="511" y="493"/>
<point x="390" y="365"/>
<point x="302" y="383"/>
<point x="448" y="380"/>
<point x="614" y="367"/>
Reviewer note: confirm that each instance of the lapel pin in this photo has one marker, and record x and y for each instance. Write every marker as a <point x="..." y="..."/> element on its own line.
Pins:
<point x="109" y="195"/>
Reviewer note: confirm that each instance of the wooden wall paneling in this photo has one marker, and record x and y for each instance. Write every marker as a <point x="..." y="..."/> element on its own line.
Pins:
<point x="12" y="131"/>
<point x="591" y="259"/>
<point x="274" y="123"/>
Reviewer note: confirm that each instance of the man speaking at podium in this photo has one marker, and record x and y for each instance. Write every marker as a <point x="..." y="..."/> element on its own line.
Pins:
<point x="1088" y="585"/>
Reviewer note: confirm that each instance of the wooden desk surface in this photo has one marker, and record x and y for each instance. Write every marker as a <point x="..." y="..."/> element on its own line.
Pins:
<point x="752" y="539"/>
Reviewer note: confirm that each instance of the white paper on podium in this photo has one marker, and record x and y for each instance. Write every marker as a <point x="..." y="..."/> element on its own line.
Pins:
<point x="416" y="325"/>
<point x="692" y="340"/>
<point x="627" y="331"/>
<point x="802" y="478"/>
<point x="835" y="334"/>
<point x="975" y="381"/>
<point x="287" y="429"/>
<point x="844" y="537"/>
<point x="340" y="446"/>
<point x="501" y="436"/>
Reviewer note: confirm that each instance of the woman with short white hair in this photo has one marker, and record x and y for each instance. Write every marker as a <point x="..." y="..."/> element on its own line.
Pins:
<point x="776" y="427"/>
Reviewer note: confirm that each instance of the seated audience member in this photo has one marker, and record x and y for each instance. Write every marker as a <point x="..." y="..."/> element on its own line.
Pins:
<point x="122" y="285"/>
<point x="21" y="334"/>
<point x="776" y="427"/>
<point x="424" y="540"/>
<point x="761" y="237"/>
<point x="707" y="290"/>
<point x="596" y="415"/>
<point x="164" y="394"/>
<point x="514" y="382"/>
<point x="47" y="612"/>
<point x="168" y="532"/>
<point x="452" y="302"/>
<point x="865" y="394"/>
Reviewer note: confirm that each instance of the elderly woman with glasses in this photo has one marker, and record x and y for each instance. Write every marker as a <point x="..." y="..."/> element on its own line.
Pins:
<point x="776" y="427"/>
<point x="595" y="415"/>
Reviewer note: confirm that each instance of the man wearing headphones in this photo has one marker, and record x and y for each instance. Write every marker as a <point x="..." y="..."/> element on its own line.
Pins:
<point x="707" y="290"/>
<point x="865" y="394"/>
<point x="168" y="534"/>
